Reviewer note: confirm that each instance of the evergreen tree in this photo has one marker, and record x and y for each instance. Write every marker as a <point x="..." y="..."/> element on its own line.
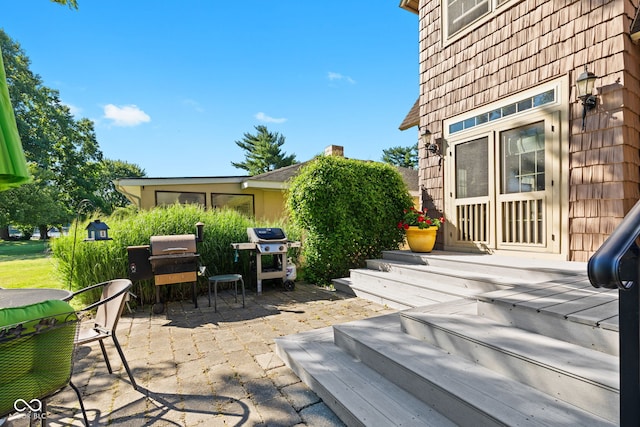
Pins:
<point x="262" y="152"/>
<point x="406" y="157"/>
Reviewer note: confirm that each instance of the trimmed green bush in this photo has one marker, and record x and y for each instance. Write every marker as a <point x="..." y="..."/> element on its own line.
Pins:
<point x="99" y="261"/>
<point x="349" y="210"/>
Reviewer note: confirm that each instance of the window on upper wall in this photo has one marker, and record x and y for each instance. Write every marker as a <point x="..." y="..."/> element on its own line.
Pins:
<point x="164" y="198"/>
<point x="460" y="13"/>
<point x="242" y="203"/>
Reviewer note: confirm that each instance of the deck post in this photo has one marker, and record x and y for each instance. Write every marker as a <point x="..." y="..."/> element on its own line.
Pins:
<point x="629" y="338"/>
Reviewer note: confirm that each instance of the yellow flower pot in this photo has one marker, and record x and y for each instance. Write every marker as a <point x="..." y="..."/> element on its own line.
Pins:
<point x="421" y="240"/>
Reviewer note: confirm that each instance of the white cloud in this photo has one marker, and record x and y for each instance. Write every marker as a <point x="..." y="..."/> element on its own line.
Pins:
<point x="126" y="115"/>
<point x="268" y="119"/>
<point x="339" y="77"/>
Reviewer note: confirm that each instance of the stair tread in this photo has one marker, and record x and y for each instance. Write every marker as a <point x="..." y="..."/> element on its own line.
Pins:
<point x="457" y="272"/>
<point x="502" y="398"/>
<point x="555" y="354"/>
<point x="417" y="298"/>
<point x="424" y="285"/>
<point x="521" y="266"/>
<point x="370" y="397"/>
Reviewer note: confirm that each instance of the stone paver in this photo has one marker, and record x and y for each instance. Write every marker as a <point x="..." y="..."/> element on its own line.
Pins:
<point x="195" y="367"/>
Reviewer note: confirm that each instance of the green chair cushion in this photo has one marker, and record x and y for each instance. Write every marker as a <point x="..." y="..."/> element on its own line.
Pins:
<point x="49" y="308"/>
<point x="35" y="365"/>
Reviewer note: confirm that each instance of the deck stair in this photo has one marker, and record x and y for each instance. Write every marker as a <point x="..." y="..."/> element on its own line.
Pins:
<point x="480" y="345"/>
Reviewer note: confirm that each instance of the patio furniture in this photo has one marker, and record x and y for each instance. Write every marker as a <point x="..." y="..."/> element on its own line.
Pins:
<point x="223" y="278"/>
<point x="109" y="308"/>
<point x="10" y="297"/>
<point x="36" y="357"/>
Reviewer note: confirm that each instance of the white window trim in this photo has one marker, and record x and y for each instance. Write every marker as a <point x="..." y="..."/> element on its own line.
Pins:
<point x="494" y="10"/>
<point x="559" y="108"/>
<point x="559" y="85"/>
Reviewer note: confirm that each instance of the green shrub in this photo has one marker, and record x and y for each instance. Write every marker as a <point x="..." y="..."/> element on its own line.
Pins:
<point x="99" y="261"/>
<point x="349" y="210"/>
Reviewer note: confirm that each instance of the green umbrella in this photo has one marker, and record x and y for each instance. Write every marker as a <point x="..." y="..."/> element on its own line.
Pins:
<point x="13" y="165"/>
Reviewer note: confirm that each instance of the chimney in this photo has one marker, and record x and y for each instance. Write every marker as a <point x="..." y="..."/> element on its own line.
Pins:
<point x="334" y="150"/>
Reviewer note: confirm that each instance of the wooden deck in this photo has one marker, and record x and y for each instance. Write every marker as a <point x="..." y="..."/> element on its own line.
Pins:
<point x="573" y="299"/>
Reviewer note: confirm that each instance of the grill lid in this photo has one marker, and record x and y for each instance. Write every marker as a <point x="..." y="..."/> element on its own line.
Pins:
<point x="174" y="244"/>
<point x="259" y="235"/>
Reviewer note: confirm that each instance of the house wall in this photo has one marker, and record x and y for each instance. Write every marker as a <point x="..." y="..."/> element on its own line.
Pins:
<point x="268" y="204"/>
<point x="522" y="45"/>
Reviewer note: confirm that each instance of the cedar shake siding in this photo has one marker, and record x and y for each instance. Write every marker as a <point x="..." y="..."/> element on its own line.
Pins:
<point x="523" y="45"/>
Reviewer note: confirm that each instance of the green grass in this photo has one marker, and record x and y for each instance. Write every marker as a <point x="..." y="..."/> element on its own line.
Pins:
<point x="27" y="264"/>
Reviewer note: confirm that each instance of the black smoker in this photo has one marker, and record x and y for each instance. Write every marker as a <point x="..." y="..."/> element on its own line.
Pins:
<point x="168" y="260"/>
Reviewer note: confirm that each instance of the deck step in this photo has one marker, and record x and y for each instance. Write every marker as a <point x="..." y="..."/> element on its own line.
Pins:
<point x="402" y="285"/>
<point x="357" y="394"/>
<point x="582" y="377"/>
<point x="573" y="312"/>
<point x="391" y="300"/>
<point x="467" y="393"/>
<point x="518" y="268"/>
<point x="453" y="277"/>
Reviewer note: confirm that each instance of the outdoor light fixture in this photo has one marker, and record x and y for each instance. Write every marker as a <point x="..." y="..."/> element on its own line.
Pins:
<point x="431" y="147"/>
<point x="584" y="86"/>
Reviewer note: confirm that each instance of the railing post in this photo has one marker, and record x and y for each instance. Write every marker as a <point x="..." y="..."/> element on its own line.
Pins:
<point x="629" y="338"/>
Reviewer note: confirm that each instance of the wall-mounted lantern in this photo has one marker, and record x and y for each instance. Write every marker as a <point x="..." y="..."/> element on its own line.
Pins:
<point x="426" y="140"/>
<point x="584" y="87"/>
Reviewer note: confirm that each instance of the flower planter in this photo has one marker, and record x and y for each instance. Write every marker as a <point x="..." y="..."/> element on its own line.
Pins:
<point x="421" y="240"/>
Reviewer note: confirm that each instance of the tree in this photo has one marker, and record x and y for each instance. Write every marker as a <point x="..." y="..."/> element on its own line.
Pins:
<point x="73" y="4"/>
<point x="406" y="157"/>
<point x="68" y="165"/>
<point x="109" y="197"/>
<point x="262" y="152"/>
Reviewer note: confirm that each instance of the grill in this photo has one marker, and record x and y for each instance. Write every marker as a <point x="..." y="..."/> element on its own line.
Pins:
<point x="272" y="244"/>
<point x="169" y="260"/>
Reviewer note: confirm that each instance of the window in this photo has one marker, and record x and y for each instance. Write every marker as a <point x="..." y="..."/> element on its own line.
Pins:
<point x="164" y="198"/>
<point x="472" y="178"/>
<point x="460" y="13"/>
<point x="522" y="158"/>
<point x="242" y="203"/>
<point x="535" y="101"/>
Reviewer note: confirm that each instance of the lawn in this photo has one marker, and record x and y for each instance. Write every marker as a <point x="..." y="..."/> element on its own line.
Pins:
<point x="27" y="264"/>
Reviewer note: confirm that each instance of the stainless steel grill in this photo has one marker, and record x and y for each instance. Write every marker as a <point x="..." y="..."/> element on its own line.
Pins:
<point x="271" y="243"/>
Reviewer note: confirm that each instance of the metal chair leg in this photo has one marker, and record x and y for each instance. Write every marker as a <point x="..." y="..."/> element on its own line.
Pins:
<point x="84" y="412"/>
<point x="124" y="362"/>
<point x="104" y="354"/>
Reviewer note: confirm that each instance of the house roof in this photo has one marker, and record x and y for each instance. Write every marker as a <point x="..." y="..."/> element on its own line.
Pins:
<point x="273" y="180"/>
<point x="410" y="5"/>
<point x="410" y="177"/>
<point x="279" y="178"/>
<point x="413" y="116"/>
<point x="276" y="179"/>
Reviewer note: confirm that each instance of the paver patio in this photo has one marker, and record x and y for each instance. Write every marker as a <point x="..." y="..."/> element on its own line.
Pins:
<point x="196" y="367"/>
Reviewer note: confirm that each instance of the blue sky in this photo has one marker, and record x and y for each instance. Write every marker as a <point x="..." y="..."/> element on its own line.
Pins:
<point x="171" y="85"/>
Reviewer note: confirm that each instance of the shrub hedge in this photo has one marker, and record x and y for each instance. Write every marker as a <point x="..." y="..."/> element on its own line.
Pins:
<point x="349" y="210"/>
<point x="99" y="261"/>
